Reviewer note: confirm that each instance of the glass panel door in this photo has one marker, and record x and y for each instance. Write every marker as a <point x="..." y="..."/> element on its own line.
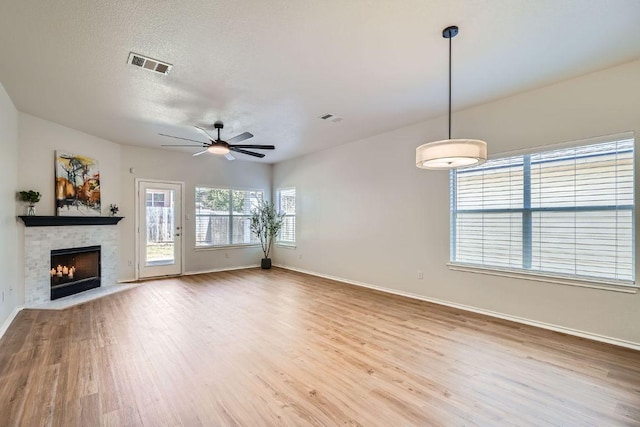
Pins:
<point x="160" y="229"/>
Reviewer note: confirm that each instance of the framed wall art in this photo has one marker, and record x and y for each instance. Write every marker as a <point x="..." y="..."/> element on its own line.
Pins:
<point x="77" y="185"/>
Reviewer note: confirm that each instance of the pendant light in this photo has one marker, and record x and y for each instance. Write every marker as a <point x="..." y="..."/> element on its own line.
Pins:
<point x="451" y="153"/>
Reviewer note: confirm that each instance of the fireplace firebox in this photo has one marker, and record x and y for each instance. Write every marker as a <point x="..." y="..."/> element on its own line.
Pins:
<point x="74" y="270"/>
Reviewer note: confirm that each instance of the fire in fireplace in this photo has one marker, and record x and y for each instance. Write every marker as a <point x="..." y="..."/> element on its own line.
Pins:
<point x="74" y="270"/>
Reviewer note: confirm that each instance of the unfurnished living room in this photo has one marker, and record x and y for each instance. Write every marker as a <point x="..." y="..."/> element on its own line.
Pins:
<point x="372" y="213"/>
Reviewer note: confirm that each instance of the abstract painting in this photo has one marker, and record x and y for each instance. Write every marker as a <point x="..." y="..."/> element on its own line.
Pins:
<point x="77" y="185"/>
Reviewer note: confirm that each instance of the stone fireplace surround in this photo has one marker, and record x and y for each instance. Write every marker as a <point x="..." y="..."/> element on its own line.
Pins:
<point x="40" y="241"/>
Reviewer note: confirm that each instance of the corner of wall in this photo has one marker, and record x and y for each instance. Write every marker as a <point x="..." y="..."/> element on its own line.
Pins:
<point x="10" y="288"/>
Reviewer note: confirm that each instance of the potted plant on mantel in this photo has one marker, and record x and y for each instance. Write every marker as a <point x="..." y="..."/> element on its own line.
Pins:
<point x="30" y="198"/>
<point x="266" y="223"/>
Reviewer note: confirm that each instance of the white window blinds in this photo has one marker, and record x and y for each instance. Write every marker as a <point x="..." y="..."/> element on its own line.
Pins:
<point x="565" y="212"/>
<point x="287" y="204"/>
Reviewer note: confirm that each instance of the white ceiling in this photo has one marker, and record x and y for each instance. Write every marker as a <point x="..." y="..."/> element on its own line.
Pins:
<point x="273" y="67"/>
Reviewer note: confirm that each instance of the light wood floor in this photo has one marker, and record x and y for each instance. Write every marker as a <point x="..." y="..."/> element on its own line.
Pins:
<point x="275" y="347"/>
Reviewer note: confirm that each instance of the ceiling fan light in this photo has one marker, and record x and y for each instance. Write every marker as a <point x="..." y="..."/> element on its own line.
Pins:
<point x="451" y="153"/>
<point x="218" y="149"/>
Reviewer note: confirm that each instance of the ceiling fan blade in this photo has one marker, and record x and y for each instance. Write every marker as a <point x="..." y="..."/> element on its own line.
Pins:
<point x="241" y="137"/>
<point x="185" y="145"/>
<point x="205" y="133"/>
<point x="251" y="153"/>
<point x="200" y="152"/>
<point x="185" y="139"/>
<point x="229" y="156"/>
<point x="256" y="147"/>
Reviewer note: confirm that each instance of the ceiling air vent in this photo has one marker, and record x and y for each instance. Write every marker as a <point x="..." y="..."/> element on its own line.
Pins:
<point x="149" y="63"/>
<point x="331" y="118"/>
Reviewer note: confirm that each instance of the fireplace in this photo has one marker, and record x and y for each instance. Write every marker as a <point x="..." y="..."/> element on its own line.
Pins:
<point x="74" y="270"/>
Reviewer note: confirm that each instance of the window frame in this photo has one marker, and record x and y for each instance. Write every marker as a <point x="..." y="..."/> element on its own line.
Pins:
<point x="156" y="203"/>
<point x="230" y="216"/>
<point x="627" y="286"/>
<point x="279" y="241"/>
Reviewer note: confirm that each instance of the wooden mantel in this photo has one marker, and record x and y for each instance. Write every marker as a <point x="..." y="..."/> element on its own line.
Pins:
<point x="57" y="221"/>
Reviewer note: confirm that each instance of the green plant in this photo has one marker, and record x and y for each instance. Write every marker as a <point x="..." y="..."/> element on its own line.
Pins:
<point x="30" y="197"/>
<point x="266" y="223"/>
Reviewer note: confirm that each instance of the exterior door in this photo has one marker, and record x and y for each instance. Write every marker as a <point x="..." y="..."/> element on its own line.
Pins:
<point x="159" y="228"/>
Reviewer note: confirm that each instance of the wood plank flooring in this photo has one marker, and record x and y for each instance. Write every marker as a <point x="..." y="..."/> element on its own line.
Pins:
<point x="258" y="348"/>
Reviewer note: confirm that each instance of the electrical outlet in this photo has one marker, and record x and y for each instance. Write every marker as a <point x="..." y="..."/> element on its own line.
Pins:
<point x="300" y="256"/>
<point x="130" y="263"/>
<point x="420" y="274"/>
<point x="226" y="255"/>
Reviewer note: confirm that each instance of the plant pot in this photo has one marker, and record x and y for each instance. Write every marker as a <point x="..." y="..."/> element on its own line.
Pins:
<point x="265" y="263"/>
<point x="31" y="210"/>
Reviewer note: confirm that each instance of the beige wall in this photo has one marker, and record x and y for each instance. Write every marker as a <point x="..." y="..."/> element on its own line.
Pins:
<point x="192" y="171"/>
<point x="367" y="214"/>
<point x="11" y="294"/>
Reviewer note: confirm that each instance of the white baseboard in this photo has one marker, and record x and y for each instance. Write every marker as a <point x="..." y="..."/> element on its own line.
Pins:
<point x="217" y="270"/>
<point x="7" y="322"/>
<point x="569" y="331"/>
<point x="191" y="273"/>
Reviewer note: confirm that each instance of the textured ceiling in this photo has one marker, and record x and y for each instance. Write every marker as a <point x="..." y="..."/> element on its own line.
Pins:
<point x="273" y="67"/>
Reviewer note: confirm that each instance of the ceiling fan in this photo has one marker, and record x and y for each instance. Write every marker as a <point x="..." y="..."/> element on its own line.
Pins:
<point x="218" y="146"/>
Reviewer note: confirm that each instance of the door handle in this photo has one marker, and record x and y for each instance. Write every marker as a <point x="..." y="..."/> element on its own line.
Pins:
<point x="177" y="234"/>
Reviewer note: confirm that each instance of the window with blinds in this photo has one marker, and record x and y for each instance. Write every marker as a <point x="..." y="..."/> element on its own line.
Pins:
<point x="286" y="203"/>
<point x="223" y="216"/>
<point x="566" y="212"/>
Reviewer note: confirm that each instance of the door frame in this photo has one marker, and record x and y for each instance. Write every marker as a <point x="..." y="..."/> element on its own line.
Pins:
<point x="137" y="220"/>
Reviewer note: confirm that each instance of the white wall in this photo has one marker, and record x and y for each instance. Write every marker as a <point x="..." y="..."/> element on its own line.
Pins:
<point x="11" y="294"/>
<point x="203" y="170"/>
<point x="365" y="213"/>
<point x="39" y="139"/>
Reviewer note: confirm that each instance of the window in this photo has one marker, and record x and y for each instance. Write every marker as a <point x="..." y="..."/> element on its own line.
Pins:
<point x="287" y="203"/>
<point x="223" y="216"/>
<point x="567" y="212"/>
<point x="155" y="199"/>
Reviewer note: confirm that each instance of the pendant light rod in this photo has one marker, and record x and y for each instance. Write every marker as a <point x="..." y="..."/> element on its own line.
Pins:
<point x="449" y="33"/>
<point x="449" y="88"/>
<point x="451" y="153"/>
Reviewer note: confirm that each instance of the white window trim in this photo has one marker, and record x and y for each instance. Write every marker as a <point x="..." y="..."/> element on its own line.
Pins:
<point x="220" y="247"/>
<point x="567" y="144"/>
<point x="283" y="244"/>
<point x="287" y="243"/>
<point x="623" y="287"/>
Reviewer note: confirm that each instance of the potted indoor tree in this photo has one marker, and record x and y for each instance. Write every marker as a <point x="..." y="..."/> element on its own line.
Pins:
<point x="30" y="198"/>
<point x="266" y="223"/>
